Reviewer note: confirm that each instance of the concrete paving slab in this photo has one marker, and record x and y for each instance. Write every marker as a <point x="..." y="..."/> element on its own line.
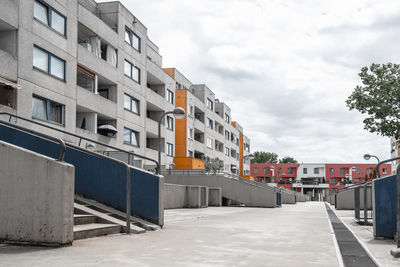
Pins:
<point x="379" y="249"/>
<point x="294" y="235"/>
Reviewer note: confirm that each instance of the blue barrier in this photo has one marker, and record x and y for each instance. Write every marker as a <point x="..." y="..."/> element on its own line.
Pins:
<point x="385" y="206"/>
<point x="278" y="199"/>
<point x="97" y="178"/>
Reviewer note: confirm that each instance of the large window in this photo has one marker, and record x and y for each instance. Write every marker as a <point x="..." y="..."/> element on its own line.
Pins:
<point x="210" y="123"/>
<point x="170" y="96"/>
<point x="85" y="79"/>
<point x="132" y="71"/>
<point x="209" y="143"/>
<point x="48" y="62"/>
<point x="210" y="104"/>
<point x="47" y="110"/>
<point x="49" y="16"/>
<point x="131" y="104"/>
<point x="227" y="118"/>
<point x="290" y="170"/>
<point x="170" y="123"/>
<point x="170" y="149"/>
<point x="330" y="170"/>
<point x="131" y="137"/>
<point x="132" y="39"/>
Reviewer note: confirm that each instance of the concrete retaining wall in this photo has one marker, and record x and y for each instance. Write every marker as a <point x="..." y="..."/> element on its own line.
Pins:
<point x="185" y="196"/>
<point x="288" y="197"/>
<point x="345" y="199"/>
<point x="236" y="190"/>
<point x="36" y="197"/>
<point x="301" y="197"/>
<point x="214" y="196"/>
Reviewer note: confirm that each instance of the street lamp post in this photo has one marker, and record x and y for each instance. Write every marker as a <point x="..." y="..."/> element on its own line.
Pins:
<point x="368" y="156"/>
<point x="272" y="168"/>
<point x="179" y="113"/>
<point x="250" y="156"/>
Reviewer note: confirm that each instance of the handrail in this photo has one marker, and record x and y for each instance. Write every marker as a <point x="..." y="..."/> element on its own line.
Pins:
<point x="378" y="174"/>
<point x="59" y="140"/>
<point x="80" y="137"/>
<point x="61" y="157"/>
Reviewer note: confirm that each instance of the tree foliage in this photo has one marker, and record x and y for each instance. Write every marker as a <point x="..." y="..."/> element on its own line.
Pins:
<point x="286" y="160"/>
<point x="213" y="164"/>
<point x="379" y="98"/>
<point x="264" y="157"/>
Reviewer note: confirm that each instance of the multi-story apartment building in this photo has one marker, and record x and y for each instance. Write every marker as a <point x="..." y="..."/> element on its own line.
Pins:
<point x="87" y="68"/>
<point x="90" y="69"/>
<point x="208" y="129"/>
<point x="315" y="179"/>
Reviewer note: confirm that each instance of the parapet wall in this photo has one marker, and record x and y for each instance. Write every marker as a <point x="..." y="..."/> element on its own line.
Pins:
<point x="36" y="197"/>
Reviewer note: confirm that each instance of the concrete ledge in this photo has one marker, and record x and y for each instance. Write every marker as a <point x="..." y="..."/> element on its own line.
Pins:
<point x="301" y="197"/>
<point x="214" y="196"/>
<point x="185" y="196"/>
<point x="36" y="198"/>
<point x="345" y="199"/>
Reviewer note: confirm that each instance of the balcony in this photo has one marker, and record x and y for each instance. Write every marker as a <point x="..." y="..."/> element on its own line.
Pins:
<point x="94" y="17"/>
<point x="8" y="51"/>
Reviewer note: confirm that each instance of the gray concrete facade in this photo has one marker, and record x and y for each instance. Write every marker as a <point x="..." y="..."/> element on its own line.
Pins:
<point x="185" y="196"/>
<point x="236" y="190"/>
<point x="345" y="199"/>
<point x="214" y="196"/>
<point x="36" y="197"/>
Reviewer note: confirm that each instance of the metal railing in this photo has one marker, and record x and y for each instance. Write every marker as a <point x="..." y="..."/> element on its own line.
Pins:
<point x="63" y="149"/>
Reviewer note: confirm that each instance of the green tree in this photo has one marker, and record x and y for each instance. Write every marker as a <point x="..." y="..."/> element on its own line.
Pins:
<point x="213" y="164"/>
<point x="264" y="157"/>
<point x="379" y="98"/>
<point x="287" y="160"/>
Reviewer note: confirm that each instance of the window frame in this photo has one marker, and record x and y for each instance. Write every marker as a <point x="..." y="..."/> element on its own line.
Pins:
<point x="211" y="143"/>
<point x="48" y="106"/>
<point x="170" y="97"/>
<point x="170" y="148"/>
<point x="130" y="141"/>
<point x="131" y="34"/>
<point x="210" y="104"/>
<point x="227" y="118"/>
<point x="49" y="23"/>
<point x="132" y="66"/>
<point x="170" y="123"/>
<point x="130" y="104"/>
<point x="49" y="56"/>
<point x="210" y="123"/>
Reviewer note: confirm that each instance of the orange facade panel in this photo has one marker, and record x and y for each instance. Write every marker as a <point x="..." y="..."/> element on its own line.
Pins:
<point x="170" y="72"/>
<point x="241" y="154"/>
<point x="181" y="125"/>
<point x="186" y="163"/>
<point x="249" y="177"/>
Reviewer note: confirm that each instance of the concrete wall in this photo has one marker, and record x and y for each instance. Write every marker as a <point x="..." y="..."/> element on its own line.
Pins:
<point x="214" y="196"/>
<point x="239" y="191"/>
<point x="36" y="197"/>
<point x="345" y="199"/>
<point x="288" y="197"/>
<point x="185" y="196"/>
<point x="301" y="197"/>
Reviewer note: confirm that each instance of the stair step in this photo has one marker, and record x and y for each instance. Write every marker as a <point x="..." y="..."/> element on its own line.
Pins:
<point x="95" y="229"/>
<point x="84" y="219"/>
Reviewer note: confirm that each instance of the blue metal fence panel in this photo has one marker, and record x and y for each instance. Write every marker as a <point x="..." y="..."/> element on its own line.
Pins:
<point x="97" y="178"/>
<point x="385" y="207"/>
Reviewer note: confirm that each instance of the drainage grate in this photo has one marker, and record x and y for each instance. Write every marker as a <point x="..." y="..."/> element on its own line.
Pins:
<point x="353" y="253"/>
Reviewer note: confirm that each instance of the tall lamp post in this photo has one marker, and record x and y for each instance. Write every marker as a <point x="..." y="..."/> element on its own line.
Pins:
<point x="250" y="156"/>
<point x="179" y="113"/>
<point x="368" y="156"/>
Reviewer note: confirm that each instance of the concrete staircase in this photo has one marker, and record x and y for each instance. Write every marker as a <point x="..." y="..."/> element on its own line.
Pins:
<point x="93" y="219"/>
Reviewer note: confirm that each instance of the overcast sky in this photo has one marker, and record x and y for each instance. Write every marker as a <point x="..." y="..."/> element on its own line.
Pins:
<point x="285" y="67"/>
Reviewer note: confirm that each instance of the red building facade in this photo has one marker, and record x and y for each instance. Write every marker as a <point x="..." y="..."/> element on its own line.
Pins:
<point x="282" y="174"/>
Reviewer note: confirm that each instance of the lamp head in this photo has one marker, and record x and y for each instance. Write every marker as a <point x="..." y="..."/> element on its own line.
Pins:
<point x="250" y="156"/>
<point x="179" y="113"/>
<point x="367" y="156"/>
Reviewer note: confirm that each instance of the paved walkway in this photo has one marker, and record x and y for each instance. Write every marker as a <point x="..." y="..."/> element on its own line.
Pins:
<point x="294" y="235"/>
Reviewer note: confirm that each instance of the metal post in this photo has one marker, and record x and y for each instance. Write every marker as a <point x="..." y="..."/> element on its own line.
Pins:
<point x="365" y="204"/>
<point x="396" y="252"/>
<point x="159" y="140"/>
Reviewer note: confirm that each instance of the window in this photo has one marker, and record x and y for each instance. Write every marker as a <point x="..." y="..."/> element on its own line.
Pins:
<point x="356" y="180"/>
<point x="190" y="154"/>
<point x="384" y="171"/>
<point x="304" y="170"/>
<point x="330" y="170"/>
<point x="210" y="123"/>
<point x="316" y="170"/>
<point x="47" y="110"/>
<point x="170" y="123"/>
<point x="132" y="39"/>
<point x="227" y="118"/>
<point x="266" y="170"/>
<point x="226" y="151"/>
<point x="49" y="16"/>
<point x="132" y="71"/>
<point x="210" y="104"/>
<point x="170" y="96"/>
<point x="226" y="135"/>
<point x="131" y="104"/>
<point x="209" y="143"/>
<point x="290" y="170"/>
<point x="369" y="170"/>
<point x="85" y="79"/>
<point x="48" y="62"/>
<point x="170" y="149"/>
<point x="255" y="170"/>
<point x="332" y="181"/>
<point x="358" y="171"/>
<point x="280" y="170"/>
<point x="342" y="171"/>
<point x="131" y="137"/>
<point x="191" y="111"/>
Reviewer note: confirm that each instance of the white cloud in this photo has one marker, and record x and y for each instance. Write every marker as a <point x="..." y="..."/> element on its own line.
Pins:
<point x="285" y="67"/>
